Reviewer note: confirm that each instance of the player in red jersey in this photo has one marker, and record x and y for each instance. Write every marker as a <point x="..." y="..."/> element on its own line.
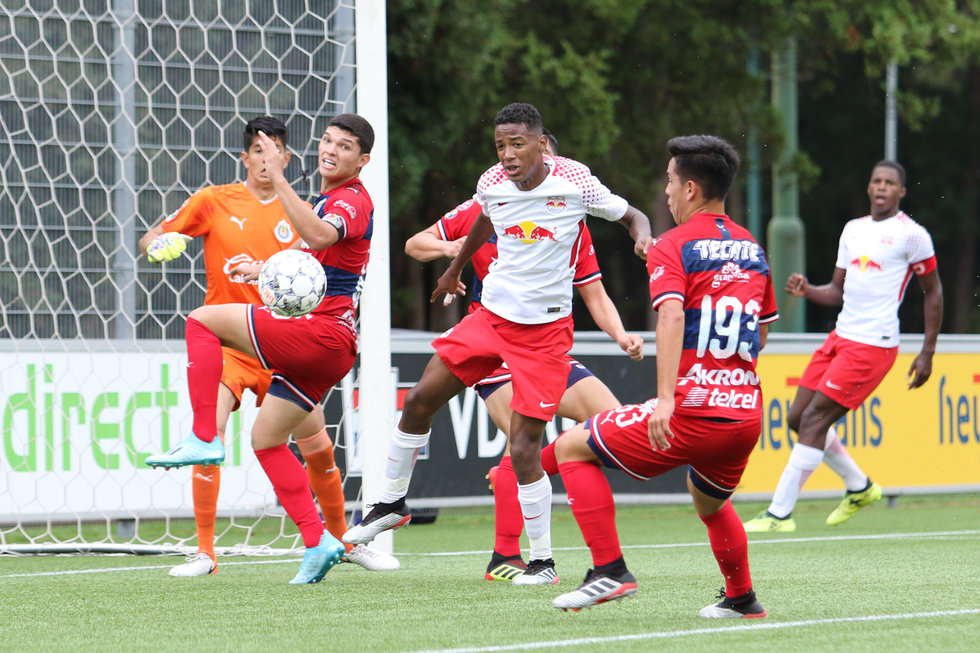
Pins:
<point x="876" y="258"/>
<point x="585" y="394"/>
<point x="308" y="354"/>
<point x="710" y="283"/>
<point x="536" y="205"/>
<point x="243" y="224"/>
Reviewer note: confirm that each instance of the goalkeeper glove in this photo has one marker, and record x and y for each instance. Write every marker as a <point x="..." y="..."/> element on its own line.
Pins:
<point x="167" y="247"/>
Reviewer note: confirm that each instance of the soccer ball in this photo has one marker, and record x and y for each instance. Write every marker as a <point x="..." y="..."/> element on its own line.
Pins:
<point x="292" y="283"/>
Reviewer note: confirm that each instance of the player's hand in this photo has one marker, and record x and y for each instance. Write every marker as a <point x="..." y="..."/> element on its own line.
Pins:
<point x="658" y="426"/>
<point x="271" y="156"/>
<point x="449" y="285"/>
<point x="797" y="284"/>
<point x="246" y="271"/>
<point x="919" y="371"/>
<point x="641" y="246"/>
<point x="167" y="247"/>
<point x="633" y="346"/>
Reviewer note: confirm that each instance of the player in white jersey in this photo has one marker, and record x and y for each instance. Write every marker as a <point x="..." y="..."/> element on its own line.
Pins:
<point x="536" y="205"/>
<point x="877" y="256"/>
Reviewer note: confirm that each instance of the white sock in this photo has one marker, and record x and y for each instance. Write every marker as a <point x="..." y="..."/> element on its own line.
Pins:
<point x="403" y="451"/>
<point x="535" y="501"/>
<point x="839" y="459"/>
<point x="802" y="461"/>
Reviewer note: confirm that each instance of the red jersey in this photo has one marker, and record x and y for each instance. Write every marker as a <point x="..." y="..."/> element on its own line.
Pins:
<point x="722" y="278"/>
<point x="457" y="223"/>
<point x="237" y="228"/>
<point x="349" y="209"/>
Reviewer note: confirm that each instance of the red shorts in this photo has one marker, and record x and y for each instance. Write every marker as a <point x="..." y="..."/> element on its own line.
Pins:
<point x="717" y="451"/>
<point x="534" y="353"/>
<point x="242" y="372"/>
<point x="847" y="371"/>
<point x="307" y="355"/>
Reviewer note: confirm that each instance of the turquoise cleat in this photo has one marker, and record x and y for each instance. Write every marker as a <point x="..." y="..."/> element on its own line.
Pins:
<point x="191" y="451"/>
<point x="319" y="559"/>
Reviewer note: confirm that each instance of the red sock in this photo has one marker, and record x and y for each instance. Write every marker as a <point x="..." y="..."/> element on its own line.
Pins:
<point x="293" y="489"/>
<point x="731" y="549"/>
<point x="204" y="365"/>
<point x="508" y="519"/>
<point x="548" y="460"/>
<point x="325" y="480"/>
<point x="592" y="504"/>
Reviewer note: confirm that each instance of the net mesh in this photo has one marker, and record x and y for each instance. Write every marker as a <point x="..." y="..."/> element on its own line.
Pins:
<point x="112" y="112"/>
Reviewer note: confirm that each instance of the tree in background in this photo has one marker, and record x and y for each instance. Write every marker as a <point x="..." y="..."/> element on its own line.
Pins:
<point x="615" y="80"/>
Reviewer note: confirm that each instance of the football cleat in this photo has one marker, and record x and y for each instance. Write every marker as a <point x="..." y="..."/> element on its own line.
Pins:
<point x="318" y="560"/>
<point x="501" y="568"/>
<point x="199" y="565"/>
<point x="854" y="501"/>
<point x="383" y="517"/>
<point x="538" y="572"/>
<point x="190" y="451"/>
<point x="766" y="522"/>
<point x="372" y="559"/>
<point x="595" y="589"/>
<point x="745" y="606"/>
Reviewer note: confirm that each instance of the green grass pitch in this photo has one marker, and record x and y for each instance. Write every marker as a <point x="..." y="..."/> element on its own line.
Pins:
<point x="891" y="579"/>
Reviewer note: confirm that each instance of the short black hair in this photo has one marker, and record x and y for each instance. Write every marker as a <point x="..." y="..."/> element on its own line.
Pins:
<point x="894" y="165"/>
<point x="358" y="126"/>
<point x="552" y="140"/>
<point x="520" y="113"/>
<point x="710" y="161"/>
<point x="272" y="127"/>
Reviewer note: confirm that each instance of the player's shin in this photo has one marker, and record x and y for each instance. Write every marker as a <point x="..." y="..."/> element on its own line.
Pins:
<point x="802" y="461"/>
<point x="730" y="547"/>
<point x="289" y="481"/>
<point x="325" y="479"/>
<point x="403" y="451"/>
<point x="535" y="499"/>
<point x="204" y="365"/>
<point x="591" y="501"/>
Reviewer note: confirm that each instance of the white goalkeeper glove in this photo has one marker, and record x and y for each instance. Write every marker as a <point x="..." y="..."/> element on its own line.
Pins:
<point x="167" y="247"/>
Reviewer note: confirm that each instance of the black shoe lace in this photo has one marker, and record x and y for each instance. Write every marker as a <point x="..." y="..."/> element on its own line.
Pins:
<point x="721" y="594"/>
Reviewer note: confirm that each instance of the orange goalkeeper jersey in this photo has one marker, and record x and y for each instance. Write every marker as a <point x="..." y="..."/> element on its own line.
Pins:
<point x="237" y="228"/>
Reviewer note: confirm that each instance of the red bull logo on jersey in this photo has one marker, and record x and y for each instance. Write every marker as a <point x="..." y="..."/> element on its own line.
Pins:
<point x="555" y="204"/>
<point x="529" y="232"/>
<point x="865" y="264"/>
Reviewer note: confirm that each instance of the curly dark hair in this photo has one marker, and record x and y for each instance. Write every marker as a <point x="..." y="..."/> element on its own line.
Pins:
<point x="520" y="113"/>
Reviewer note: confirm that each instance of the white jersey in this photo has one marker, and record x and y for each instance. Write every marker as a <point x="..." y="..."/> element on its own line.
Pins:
<point x="538" y="234"/>
<point x="879" y="258"/>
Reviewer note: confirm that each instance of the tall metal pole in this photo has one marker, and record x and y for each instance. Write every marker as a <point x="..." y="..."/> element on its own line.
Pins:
<point x="786" y="238"/>
<point x="891" y="111"/>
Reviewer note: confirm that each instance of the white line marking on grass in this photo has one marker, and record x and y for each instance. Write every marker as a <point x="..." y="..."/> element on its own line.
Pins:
<point x="703" y="631"/>
<point x="69" y="572"/>
<point x="777" y="540"/>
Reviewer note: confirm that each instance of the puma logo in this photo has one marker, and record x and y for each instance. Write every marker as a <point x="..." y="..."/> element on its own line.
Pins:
<point x="239" y="221"/>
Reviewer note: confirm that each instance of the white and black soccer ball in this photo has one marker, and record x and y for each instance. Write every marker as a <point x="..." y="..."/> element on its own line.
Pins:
<point x="292" y="282"/>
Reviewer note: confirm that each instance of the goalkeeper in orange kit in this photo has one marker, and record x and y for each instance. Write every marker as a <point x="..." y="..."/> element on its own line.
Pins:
<point x="242" y="224"/>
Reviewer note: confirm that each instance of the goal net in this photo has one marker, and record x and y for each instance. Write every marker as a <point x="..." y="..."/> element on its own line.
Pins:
<point x="112" y="112"/>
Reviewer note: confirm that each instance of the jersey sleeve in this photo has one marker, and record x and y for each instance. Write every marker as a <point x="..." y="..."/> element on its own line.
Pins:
<point x="587" y="265"/>
<point x="193" y="218"/>
<point x="599" y="201"/>
<point x="342" y="213"/>
<point x="842" y="249"/>
<point x="920" y="252"/>
<point x="456" y="224"/>
<point x="667" y="277"/>
<point x="769" y="312"/>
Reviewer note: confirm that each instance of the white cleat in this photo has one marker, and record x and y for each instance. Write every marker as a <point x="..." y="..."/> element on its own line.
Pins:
<point x="372" y="559"/>
<point x="199" y="565"/>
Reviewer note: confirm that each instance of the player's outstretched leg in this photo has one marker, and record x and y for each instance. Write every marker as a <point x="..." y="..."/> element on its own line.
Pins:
<point x="383" y="517"/>
<point x="598" y="587"/>
<point x="318" y="560"/>
<point x="744" y="606"/>
<point x="190" y="451"/>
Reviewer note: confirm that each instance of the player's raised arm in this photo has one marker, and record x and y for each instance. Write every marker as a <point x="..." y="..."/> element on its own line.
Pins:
<point x="638" y="225"/>
<point x="607" y="318"/>
<point x="479" y="234"/>
<point x="427" y="245"/>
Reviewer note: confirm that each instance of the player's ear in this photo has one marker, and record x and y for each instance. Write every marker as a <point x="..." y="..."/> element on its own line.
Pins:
<point x="363" y="159"/>
<point x="286" y="156"/>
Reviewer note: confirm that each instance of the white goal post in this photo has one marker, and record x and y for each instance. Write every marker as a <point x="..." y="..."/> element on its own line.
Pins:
<point x="112" y="112"/>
